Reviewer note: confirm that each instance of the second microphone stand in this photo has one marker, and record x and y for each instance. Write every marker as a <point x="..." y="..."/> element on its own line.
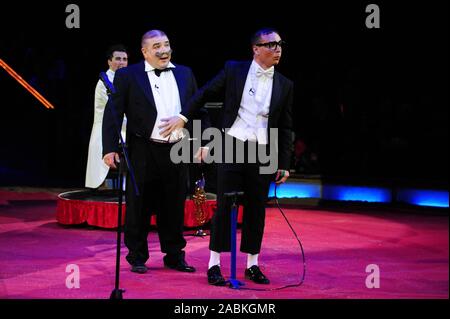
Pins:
<point x="117" y="293"/>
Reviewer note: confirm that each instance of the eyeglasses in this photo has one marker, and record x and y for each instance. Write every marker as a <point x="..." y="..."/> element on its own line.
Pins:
<point x="272" y="45"/>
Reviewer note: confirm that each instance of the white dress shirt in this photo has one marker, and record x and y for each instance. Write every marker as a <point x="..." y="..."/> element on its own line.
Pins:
<point x="167" y="99"/>
<point x="252" y="120"/>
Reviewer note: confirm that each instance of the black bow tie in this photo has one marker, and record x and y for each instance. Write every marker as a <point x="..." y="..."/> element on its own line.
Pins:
<point x="158" y="71"/>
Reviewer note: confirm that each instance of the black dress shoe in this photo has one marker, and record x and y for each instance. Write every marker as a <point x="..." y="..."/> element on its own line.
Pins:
<point x="179" y="265"/>
<point x="139" y="268"/>
<point x="215" y="277"/>
<point x="255" y="274"/>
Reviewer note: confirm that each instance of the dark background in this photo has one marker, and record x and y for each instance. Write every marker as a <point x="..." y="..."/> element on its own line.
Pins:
<point x="370" y="104"/>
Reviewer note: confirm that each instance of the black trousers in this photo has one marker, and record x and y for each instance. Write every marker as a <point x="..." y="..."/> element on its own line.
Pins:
<point x="244" y="177"/>
<point x="162" y="186"/>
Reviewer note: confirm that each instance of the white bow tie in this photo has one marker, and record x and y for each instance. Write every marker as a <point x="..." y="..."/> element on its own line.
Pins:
<point x="269" y="72"/>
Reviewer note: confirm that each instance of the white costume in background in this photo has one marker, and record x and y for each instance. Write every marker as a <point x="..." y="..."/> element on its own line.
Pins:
<point x="97" y="170"/>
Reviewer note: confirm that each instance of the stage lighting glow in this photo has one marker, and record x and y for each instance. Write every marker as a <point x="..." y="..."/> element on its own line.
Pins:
<point x="432" y="198"/>
<point x="295" y="190"/>
<point x="302" y="189"/>
<point x="331" y="192"/>
<point x="356" y="193"/>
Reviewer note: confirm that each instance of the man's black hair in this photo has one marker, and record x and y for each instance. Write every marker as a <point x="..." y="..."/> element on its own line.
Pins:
<point x="257" y="35"/>
<point x="114" y="48"/>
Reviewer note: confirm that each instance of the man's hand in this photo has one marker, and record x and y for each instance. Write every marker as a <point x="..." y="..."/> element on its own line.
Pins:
<point x="109" y="159"/>
<point x="282" y="176"/>
<point x="170" y="124"/>
<point x="201" y="154"/>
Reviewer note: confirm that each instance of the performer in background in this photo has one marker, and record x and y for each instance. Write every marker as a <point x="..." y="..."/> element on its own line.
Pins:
<point x="150" y="93"/>
<point x="256" y="98"/>
<point x="97" y="170"/>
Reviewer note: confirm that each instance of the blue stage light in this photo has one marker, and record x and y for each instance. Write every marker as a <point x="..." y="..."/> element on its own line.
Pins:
<point x="296" y="190"/>
<point x="357" y="193"/>
<point x="305" y="189"/>
<point x="433" y="198"/>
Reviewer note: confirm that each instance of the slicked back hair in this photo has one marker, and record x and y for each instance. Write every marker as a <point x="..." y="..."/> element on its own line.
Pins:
<point x="257" y="35"/>
<point x="152" y="34"/>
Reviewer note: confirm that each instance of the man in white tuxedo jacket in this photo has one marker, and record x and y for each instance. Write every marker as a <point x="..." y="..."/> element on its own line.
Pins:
<point x="97" y="170"/>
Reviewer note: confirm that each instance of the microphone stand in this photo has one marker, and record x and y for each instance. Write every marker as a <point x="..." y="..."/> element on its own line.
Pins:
<point x="233" y="282"/>
<point x="117" y="293"/>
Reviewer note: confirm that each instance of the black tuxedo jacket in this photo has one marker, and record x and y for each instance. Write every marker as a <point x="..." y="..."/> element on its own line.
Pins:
<point x="134" y="97"/>
<point x="228" y="86"/>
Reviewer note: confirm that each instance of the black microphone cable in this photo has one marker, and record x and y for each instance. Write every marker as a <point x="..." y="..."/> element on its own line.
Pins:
<point x="301" y="247"/>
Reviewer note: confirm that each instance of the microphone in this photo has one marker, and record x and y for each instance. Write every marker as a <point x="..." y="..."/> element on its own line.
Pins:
<point x="156" y="87"/>
<point x="251" y="91"/>
<point x="109" y="86"/>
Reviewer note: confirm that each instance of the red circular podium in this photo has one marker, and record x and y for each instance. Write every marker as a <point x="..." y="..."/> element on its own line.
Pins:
<point x="99" y="208"/>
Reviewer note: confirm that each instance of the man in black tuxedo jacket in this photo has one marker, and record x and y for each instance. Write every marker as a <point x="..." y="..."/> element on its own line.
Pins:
<point x="150" y="93"/>
<point x="256" y="99"/>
